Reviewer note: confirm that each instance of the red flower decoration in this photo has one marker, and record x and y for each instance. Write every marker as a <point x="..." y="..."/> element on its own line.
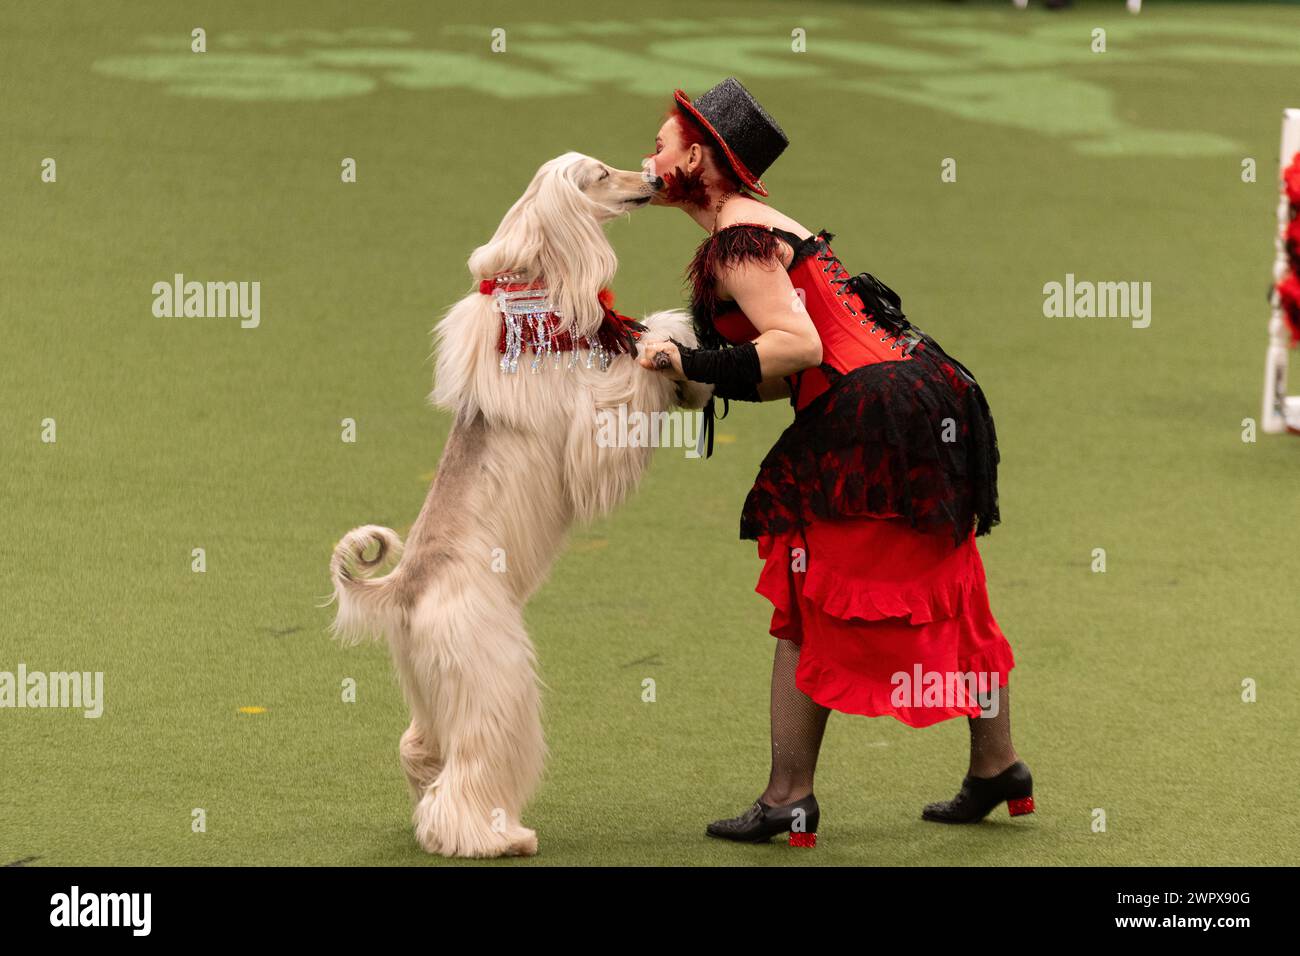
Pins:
<point x="1291" y="238"/>
<point x="1288" y="292"/>
<point x="1291" y="180"/>
<point x="684" y="187"/>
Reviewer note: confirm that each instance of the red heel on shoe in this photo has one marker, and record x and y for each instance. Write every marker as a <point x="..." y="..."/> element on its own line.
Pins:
<point x="761" y="822"/>
<point x="979" y="795"/>
<point x="1018" y="808"/>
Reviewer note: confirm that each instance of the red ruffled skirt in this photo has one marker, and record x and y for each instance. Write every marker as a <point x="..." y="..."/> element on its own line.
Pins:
<point x="890" y="620"/>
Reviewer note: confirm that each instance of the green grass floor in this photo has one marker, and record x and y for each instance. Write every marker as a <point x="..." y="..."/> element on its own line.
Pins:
<point x="182" y="433"/>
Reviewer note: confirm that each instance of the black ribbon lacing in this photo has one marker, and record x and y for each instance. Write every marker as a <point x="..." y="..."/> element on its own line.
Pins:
<point x="706" y="428"/>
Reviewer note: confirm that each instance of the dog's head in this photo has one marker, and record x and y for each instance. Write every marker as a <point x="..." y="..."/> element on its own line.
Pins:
<point x="554" y="231"/>
<point x="613" y="192"/>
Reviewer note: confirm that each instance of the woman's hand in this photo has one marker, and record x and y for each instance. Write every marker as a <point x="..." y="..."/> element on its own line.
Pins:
<point x="661" y="357"/>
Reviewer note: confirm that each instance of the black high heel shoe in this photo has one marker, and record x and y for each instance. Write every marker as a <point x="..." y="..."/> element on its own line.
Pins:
<point x="761" y="822"/>
<point x="979" y="795"/>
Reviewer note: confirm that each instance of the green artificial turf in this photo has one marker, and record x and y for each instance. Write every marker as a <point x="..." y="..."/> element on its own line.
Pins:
<point x="175" y="434"/>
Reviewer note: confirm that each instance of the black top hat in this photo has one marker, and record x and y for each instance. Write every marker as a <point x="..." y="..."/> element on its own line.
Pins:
<point x="750" y="138"/>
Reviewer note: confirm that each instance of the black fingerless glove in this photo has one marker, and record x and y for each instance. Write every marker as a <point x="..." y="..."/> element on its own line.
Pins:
<point x="734" y="372"/>
<point x="747" y="393"/>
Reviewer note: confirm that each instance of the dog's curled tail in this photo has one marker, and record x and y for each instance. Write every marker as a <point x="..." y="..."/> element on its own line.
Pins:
<point x="363" y="600"/>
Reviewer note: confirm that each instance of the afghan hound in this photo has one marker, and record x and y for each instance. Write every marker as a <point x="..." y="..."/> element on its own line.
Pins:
<point x="521" y="465"/>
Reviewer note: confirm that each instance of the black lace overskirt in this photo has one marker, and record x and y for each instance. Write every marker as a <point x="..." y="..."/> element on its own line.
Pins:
<point x="910" y="438"/>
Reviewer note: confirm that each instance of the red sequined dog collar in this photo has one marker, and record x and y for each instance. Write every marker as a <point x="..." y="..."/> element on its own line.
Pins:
<point x="529" y="320"/>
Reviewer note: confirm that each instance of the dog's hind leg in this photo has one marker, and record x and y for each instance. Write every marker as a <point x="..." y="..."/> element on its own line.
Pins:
<point x="417" y="751"/>
<point x="486" y="706"/>
<point x="420" y="759"/>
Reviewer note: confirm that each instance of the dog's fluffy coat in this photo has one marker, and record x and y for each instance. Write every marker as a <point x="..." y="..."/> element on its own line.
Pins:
<point x="521" y="465"/>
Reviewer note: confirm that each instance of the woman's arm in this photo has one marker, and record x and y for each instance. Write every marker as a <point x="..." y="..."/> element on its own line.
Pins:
<point x="787" y="340"/>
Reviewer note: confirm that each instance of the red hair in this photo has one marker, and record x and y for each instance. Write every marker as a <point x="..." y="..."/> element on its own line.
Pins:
<point x="681" y="186"/>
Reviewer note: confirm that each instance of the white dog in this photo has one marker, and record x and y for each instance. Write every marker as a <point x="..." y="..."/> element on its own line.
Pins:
<point x="521" y="465"/>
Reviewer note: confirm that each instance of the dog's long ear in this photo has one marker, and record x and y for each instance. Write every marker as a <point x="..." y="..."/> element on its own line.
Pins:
<point x="553" y="231"/>
<point x="516" y="246"/>
<point x="466" y="338"/>
<point x="575" y="254"/>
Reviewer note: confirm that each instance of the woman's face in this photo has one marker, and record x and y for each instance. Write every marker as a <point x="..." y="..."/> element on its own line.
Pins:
<point x="671" y="157"/>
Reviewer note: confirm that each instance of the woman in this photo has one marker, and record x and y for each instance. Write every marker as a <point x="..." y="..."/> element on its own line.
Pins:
<point x="866" y="509"/>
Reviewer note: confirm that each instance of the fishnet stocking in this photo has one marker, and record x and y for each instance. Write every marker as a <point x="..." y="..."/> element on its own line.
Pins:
<point x="798" y="724"/>
<point x="990" y="739"/>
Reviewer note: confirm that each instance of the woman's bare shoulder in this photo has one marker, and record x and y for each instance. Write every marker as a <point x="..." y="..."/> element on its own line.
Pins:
<point x="752" y="211"/>
<point x="756" y="244"/>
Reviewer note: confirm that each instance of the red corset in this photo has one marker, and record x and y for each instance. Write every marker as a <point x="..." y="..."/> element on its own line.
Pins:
<point x="868" y="436"/>
<point x="850" y="339"/>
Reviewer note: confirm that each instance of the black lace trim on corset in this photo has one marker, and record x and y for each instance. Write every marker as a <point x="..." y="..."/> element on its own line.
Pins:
<point x="912" y="439"/>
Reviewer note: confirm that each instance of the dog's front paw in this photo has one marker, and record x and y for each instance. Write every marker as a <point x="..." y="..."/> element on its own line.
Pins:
<point x="671" y="324"/>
